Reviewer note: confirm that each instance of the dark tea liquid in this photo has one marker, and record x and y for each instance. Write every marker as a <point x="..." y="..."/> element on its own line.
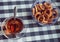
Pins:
<point x="13" y="26"/>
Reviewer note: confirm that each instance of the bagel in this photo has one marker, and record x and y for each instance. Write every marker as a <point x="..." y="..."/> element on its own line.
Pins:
<point x="47" y="5"/>
<point x="40" y="19"/>
<point x="37" y="15"/>
<point x="42" y="7"/>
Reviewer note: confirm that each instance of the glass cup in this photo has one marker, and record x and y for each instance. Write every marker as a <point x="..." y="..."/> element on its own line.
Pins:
<point x="53" y="6"/>
<point x="12" y="28"/>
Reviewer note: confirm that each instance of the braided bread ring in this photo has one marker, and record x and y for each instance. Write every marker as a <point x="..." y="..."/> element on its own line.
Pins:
<point x="38" y="7"/>
<point x="40" y="19"/>
<point x="48" y="12"/>
<point x="46" y="17"/>
<point x="37" y="14"/>
<point x="42" y="7"/>
<point x="47" y="5"/>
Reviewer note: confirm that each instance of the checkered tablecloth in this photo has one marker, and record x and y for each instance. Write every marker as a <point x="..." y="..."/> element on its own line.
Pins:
<point x="34" y="32"/>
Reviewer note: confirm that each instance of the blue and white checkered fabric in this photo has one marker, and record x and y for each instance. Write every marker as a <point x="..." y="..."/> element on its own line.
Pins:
<point x="34" y="32"/>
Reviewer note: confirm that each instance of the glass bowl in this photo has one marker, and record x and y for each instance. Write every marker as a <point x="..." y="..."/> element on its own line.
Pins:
<point x="12" y="32"/>
<point x="53" y="7"/>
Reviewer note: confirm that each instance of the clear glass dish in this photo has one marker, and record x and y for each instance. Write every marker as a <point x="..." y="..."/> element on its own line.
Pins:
<point x="17" y="35"/>
<point x="53" y="6"/>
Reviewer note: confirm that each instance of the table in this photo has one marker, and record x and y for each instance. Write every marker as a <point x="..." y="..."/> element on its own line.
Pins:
<point x="34" y="32"/>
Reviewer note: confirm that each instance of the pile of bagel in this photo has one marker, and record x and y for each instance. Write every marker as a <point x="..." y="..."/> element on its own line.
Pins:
<point x="44" y="12"/>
